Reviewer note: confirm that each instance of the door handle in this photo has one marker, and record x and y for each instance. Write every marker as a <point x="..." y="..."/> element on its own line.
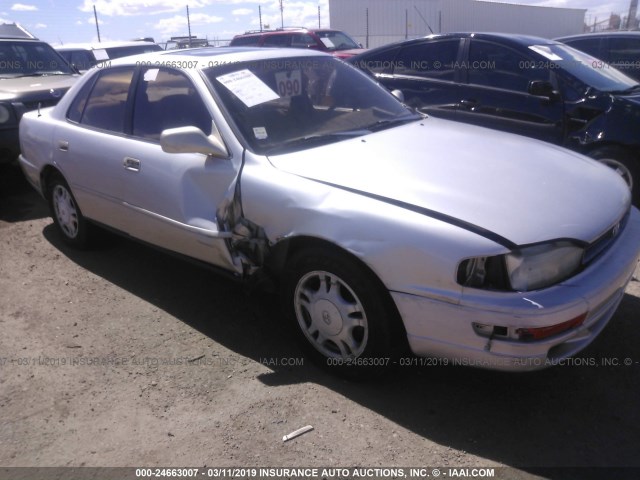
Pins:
<point x="63" y="145"/>
<point x="469" y="103"/>
<point x="131" y="164"/>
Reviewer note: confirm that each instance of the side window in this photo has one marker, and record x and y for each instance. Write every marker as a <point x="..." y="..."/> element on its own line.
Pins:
<point x="166" y="98"/>
<point x="624" y="50"/>
<point x="434" y="60"/>
<point x="588" y="45"/>
<point x="105" y="107"/>
<point x="302" y="40"/>
<point x="494" y="65"/>
<point x="82" y="59"/>
<point x="381" y="62"/>
<point x="279" y="40"/>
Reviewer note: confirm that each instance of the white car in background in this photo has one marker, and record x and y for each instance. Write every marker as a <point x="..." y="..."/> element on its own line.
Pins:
<point x="83" y="56"/>
<point x="380" y="227"/>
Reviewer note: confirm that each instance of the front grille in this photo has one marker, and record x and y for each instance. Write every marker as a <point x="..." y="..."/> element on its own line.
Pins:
<point x="605" y="240"/>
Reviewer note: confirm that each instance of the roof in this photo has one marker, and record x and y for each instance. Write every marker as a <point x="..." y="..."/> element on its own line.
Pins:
<point x="14" y="30"/>
<point x="617" y="33"/>
<point x="100" y="45"/>
<point x="218" y="56"/>
<point x="286" y="30"/>
<point x="512" y="39"/>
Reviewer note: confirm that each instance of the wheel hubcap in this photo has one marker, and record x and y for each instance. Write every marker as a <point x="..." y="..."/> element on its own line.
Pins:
<point x="65" y="210"/>
<point x="620" y="169"/>
<point x="330" y="315"/>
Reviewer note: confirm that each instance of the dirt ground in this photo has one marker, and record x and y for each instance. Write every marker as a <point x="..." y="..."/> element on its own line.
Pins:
<point x="123" y="356"/>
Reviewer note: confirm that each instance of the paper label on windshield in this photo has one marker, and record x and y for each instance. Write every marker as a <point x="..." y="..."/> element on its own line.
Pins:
<point x="260" y="133"/>
<point x="151" y="75"/>
<point x="247" y="87"/>
<point x="289" y="83"/>
<point x="101" y="54"/>
<point x="545" y="52"/>
<point x="327" y="42"/>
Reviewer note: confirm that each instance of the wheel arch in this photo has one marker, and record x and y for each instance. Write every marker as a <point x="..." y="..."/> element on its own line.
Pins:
<point x="288" y="247"/>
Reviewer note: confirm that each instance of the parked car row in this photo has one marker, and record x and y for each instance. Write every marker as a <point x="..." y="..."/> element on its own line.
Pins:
<point x="385" y="230"/>
<point x="520" y="84"/>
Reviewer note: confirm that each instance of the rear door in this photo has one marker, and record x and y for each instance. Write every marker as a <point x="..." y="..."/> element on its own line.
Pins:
<point x="496" y="93"/>
<point x="89" y="148"/>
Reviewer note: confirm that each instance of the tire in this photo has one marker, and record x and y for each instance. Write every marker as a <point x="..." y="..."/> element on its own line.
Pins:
<point x="624" y="164"/>
<point x="66" y="214"/>
<point x="344" y="319"/>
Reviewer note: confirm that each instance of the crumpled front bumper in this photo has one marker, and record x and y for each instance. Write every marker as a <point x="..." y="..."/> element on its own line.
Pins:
<point x="436" y="328"/>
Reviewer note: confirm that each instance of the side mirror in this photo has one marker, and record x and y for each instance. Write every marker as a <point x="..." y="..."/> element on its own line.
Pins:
<point x="191" y="140"/>
<point x="540" y="88"/>
<point x="398" y="94"/>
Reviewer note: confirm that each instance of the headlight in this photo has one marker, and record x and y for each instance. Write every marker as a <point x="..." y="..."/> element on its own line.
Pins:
<point x="532" y="268"/>
<point x="5" y="113"/>
<point x="523" y="269"/>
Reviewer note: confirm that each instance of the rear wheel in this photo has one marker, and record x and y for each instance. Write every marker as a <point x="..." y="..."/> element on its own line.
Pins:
<point x="66" y="213"/>
<point x="343" y="317"/>
<point x="624" y="165"/>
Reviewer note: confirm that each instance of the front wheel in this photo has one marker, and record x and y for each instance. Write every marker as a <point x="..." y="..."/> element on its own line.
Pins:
<point x="624" y="165"/>
<point x="343" y="317"/>
<point x="66" y="213"/>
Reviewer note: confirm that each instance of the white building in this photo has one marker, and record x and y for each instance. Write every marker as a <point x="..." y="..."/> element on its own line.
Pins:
<point x="378" y="22"/>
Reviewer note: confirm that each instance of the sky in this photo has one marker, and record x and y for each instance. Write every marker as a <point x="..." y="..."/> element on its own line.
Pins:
<point x="70" y="21"/>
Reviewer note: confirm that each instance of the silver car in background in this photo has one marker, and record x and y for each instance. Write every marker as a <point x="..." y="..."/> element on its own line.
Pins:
<point x="381" y="228"/>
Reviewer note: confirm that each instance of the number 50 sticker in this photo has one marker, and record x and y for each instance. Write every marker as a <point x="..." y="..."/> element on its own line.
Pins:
<point x="289" y="83"/>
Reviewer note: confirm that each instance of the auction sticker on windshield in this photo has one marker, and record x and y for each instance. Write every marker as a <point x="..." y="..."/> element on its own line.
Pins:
<point x="247" y="87"/>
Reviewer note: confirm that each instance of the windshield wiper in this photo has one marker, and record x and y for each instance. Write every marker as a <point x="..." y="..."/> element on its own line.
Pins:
<point x="391" y="122"/>
<point x="626" y="91"/>
<point x="42" y="74"/>
<point x="317" y="139"/>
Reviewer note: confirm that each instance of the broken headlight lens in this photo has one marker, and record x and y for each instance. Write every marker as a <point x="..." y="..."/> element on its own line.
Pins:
<point x="540" y="266"/>
<point x="523" y="269"/>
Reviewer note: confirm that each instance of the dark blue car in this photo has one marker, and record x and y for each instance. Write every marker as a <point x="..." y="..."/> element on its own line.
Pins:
<point x="521" y="84"/>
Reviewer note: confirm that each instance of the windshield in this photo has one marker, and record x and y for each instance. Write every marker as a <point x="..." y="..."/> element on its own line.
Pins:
<point x="282" y="105"/>
<point x="19" y="59"/>
<point x="589" y="70"/>
<point x="336" y="40"/>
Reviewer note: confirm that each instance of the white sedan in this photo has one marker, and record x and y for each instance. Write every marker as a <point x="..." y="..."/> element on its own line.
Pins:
<point x="384" y="230"/>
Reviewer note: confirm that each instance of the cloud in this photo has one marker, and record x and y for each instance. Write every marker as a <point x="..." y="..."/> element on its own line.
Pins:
<point x="40" y="25"/>
<point x="242" y="11"/>
<point x="120" y="8"/>
<point x="21" y="7"/>
<point x="178" y="23"/>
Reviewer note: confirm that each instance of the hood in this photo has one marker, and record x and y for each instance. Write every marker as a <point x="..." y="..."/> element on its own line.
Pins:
<point x="348" y="53"/>
<point x="16" y="88"/>
<point x="522" y="189"/>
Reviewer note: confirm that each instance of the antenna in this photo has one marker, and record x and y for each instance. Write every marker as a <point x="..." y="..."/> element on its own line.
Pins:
<point x="189" y="25"/>
<point x="95" y="15"/>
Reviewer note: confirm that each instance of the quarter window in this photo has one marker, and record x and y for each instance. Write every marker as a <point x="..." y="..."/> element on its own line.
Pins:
<point x="106" y="106"/>
<point x="166" y="98"/>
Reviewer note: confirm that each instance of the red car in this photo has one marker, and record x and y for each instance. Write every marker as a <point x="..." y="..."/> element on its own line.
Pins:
<point x="334" y="42"/>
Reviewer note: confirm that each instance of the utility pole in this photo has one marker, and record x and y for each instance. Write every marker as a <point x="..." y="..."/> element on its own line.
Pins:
<point x="260" y="15"/>
<point x="367" y="30"/>
<point x="633" y="13"/>
<point x="189" y="26"/>
<point x="281" y="15"/>
<point x="95" y="15"/>
<point x="319" y="17"/>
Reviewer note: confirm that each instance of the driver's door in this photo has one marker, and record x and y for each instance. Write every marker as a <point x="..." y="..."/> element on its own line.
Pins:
<point x="173" y="198"/>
